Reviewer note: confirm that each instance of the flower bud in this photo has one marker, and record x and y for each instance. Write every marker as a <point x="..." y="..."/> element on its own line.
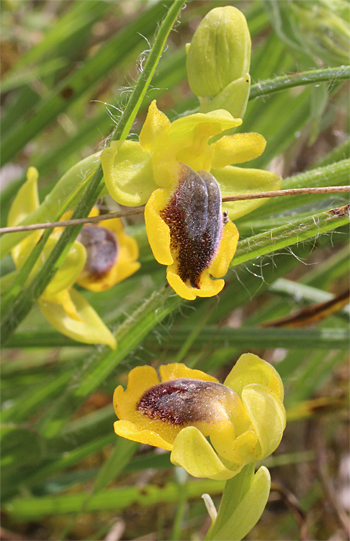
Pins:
<point x="219" y="52"/>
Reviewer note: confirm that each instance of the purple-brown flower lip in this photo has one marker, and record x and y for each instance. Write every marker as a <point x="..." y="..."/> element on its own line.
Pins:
<point x="195" y="220"/>
<point x="101" y="249"/>
<point x="184" y="401"/>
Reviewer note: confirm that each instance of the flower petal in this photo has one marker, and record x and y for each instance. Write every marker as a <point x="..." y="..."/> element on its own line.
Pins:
<point x="158" y="232"/>
<point x="130" y="431"/>
<point x="128" y="172"/>
<point x="125" y="265"/>
<point x="25" y="202"/>
<point x="267" y="414"/>
<point x="172" y="371"/>
<point x="154" y="129"/>
<point x="194" y="453"/>
<point x="235" y="180"/>
<point x="227" y="249"/>
<point x="208" y="287"/>
<point x="237" y="148"/>
<point x="215" y="122"/>
<point x="140" y="379"/>
<point x="68" y="272"/>
<point x="187" y="142"/>
<point x="64" y="299"/>
<point x="245" y="448"/>
<point x="90" y="330"/>
<point x="233" y="98"/>
<point x="251" y="369"/>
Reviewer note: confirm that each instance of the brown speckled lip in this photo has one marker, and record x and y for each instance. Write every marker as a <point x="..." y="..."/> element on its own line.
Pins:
<point x="184" y="401"/>
<point x="101" y="249"/>
<point x="195" y="220"/>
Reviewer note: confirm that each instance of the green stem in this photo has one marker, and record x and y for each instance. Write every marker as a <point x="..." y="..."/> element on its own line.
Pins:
<point x="129" y="114"/>
<point x="333" y="75"/>
<point x="287" y="235"/>
<point x="243" y="502"/>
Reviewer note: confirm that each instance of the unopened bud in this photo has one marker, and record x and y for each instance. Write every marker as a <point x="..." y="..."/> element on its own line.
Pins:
<point x="219" y="52"/>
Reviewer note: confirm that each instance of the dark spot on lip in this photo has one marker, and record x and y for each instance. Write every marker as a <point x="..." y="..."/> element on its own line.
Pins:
<point x="194" y="218"/>
<point x="182" y="401"/>
<point x="67" y="92"/>
<point x="101" y="249"/>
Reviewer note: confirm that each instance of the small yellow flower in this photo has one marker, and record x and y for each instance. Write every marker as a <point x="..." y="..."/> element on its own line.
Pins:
<point x="111" y="254"/>
<point x="65" y="309"/>
<point x="244" y="418"/>
<point x="182" y="175"/>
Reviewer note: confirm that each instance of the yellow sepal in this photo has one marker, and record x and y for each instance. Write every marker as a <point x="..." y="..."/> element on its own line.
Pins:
<point x="89" y="329"/>
<point x="194" y="453"/>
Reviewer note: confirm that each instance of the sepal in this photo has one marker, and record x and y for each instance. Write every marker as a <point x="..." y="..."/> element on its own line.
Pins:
<point x="89" y="328"/>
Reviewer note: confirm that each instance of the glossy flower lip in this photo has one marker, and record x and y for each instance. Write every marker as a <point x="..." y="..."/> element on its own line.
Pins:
<point x="155" y="171"/>
<point x="244" y="417"/>
<point x="188" y="232"/>
<point x="63" y="307"/>
<point x="111" y="254"/>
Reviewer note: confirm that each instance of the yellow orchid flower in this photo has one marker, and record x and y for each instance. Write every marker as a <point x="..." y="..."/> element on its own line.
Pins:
<point x="182" y="175"/>
<point x="66" y="309"/>
<point x="111" y="254"/>
<point x="244" y="418"/>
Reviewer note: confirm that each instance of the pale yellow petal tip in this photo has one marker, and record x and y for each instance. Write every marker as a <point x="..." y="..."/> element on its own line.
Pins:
<point x="32" y="174"/>
<point x="89" y="329"/>
<point x="130" y="431"/>
<point x="194" y="453"/>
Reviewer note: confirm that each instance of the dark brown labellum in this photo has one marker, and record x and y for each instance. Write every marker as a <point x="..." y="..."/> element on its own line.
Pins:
<point x="195" y="221"/>
<point x="101" y="249"/>
<point x="184" y="401"/>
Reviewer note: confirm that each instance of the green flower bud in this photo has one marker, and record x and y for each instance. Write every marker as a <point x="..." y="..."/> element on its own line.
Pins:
<point x="219" y="52"/>
<point x="233" y="98"/>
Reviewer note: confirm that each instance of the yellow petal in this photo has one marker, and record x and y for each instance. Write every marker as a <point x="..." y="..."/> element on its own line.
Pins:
<point x="154" y="129"/>
<point x="128" y="172"/>
<point x="251" y="369"/>
<point x="63" y="298"/>
<point x="233" y="98"/>
<point x="238" y="148"/>
<point x="215" y="122"/>
<point x="236" y="180"/>
<point x="172" y="371"/>
<point x="125" y="264"/>
<point x="25" y="202"/>
<point x="125" y="403"/>
<point x="89" y="330"/>
<point x="267" y="414"/>
<point x="157" y="231"/>
<point x="227" y="249"/>
<point x="140" y="379"/>
<point x="68" y="272"/>
<point x="194" y="453"/>
<point x="187" y="141"/>
<point x="208" y="287"/>
<point x="246" y="448"/>
<point x="130" y="431"/>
